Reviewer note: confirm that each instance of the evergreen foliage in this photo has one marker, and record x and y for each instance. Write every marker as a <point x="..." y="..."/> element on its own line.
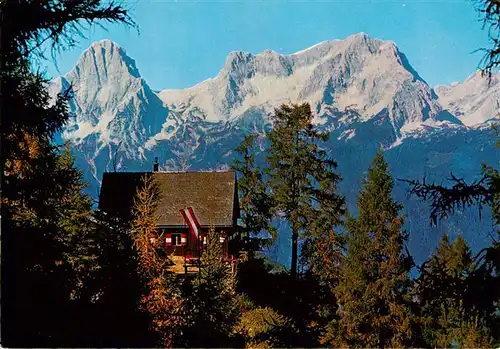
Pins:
<point x="374" y="288"/>
<point x="302" y="178"/>
<point x="444" y="291"/>
<point x="72" y="276"/>
<point x="254" y="199"/>
<point x="481" y="302"/>
<point x="46" y="242"/>
<point x="74" y="221"/>
<point x="213" y="305"/>
<point x="108" y="315"/>
<point x="490" y="13"/>
<point x="298" y="184"/>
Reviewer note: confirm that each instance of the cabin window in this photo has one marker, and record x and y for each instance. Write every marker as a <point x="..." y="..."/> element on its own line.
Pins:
<point x="176" y="240"/>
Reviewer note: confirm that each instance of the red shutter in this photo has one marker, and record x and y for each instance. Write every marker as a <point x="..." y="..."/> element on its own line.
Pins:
<point x="168" y="239"/>
<point x="183" y="239"/>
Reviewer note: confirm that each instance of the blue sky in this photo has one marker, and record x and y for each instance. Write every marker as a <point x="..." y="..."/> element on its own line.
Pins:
<point x="184" y="42"/>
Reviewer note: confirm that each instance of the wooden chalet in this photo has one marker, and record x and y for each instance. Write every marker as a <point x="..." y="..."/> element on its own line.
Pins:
<point x="190" y="204"/>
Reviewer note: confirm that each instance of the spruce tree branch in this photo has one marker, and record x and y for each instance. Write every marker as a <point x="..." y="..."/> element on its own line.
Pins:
<point x="489" y="11"/>
<point x="59" y="21"/>
<point x="446" y="200"/>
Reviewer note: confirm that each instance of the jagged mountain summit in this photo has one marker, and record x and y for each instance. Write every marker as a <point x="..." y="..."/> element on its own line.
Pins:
<point x="111" y="100"/>
<point x="474" y="101"/>
<point x="360" y="73"/>
<point x="362" y="89"/>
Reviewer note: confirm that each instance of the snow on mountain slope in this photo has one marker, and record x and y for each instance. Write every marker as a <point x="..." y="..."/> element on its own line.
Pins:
<point x="473" y="101"/>
<point x="359" y="72"/>
<point x="111" y="101"/>
<point x="362" y="90"/>
<point x="115" y="111"/>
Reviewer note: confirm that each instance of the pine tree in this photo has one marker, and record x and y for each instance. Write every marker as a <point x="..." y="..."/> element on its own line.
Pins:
<point x="302" y="179"/>
<point x="444" y="291"/>
<point x="298" y="183"/>
<point x="108" y="316"/>
<point x="74" y="212"/>
<point x="162" y="298"/>
<point x="212" y="300"/>
<point x="255" y="201"/>
<point x="373" y="290"/>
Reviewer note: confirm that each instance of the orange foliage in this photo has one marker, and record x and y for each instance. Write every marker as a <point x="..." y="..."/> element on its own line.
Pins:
<point x="30" y="148"/>
<point x="162" y="296"/>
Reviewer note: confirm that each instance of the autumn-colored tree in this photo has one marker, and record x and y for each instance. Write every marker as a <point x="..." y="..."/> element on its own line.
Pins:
<point x="144" y="229"/>
<point x="264" y="328"/>
<point x="162" y="298"/>
<point x="373" y="291"/>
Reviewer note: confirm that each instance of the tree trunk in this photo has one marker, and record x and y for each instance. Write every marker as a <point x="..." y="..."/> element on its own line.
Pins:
<point x="295" y="239"/>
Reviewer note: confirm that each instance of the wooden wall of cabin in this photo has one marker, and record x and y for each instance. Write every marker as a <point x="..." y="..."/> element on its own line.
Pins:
<point x="180" y="249"/>
<point x="190" y="248"/>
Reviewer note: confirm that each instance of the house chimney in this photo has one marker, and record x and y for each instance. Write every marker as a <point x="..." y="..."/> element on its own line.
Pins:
<point x="155" y="165"/>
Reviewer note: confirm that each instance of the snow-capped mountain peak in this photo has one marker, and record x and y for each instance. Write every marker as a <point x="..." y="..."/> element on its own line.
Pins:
<point x="105" y="60"/>
<point x="474" y="101"/>
<point x="102" y="78"/>
<point x="347" y="82"/>
<point x="110" y="99"/>
<point x="358" y="72"/>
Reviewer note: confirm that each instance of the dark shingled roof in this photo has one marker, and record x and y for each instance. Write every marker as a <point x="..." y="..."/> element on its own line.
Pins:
<point x="212" y="195"/>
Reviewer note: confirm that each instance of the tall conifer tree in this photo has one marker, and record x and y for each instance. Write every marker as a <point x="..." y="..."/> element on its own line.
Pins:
<point x="255" y="201"/>
<point x="302" y="179"/>
<point x="373" y="291"/>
